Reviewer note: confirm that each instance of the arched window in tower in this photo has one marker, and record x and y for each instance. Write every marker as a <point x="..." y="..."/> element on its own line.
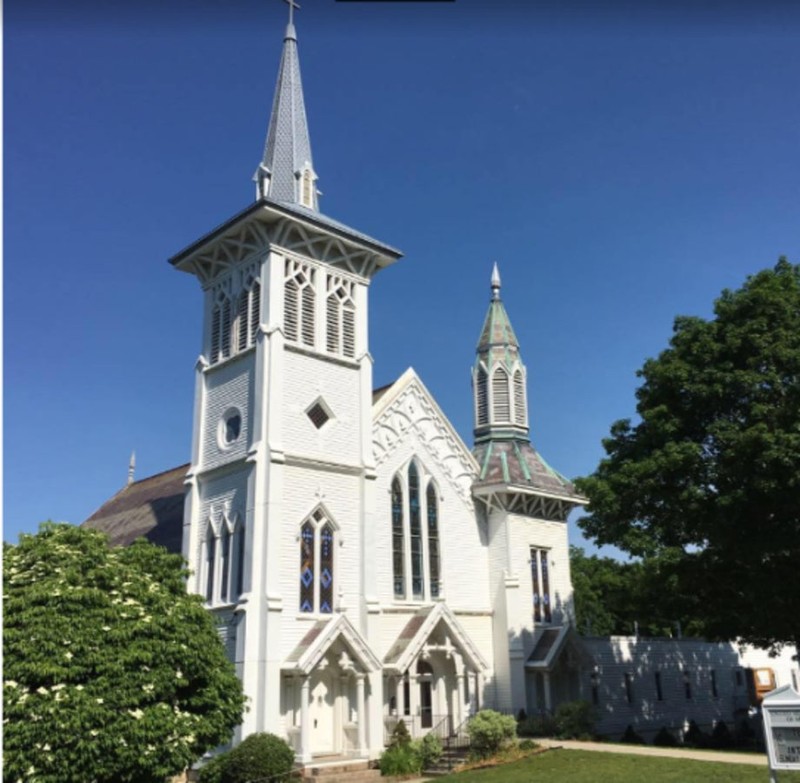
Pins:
<point x="415" y="531"/>
<point x="317" y="560"/>
<point x="481" y="398"/>
<point x="211" y="559"/>
<point x="225" y="563"/>
<point x="220" y="347"/>
<point x="398" y="542"/>
<point x="326" y="570"/>
<point x="307" y="535"/>
<point x="501" y="402"/>
<point x="433" y="538"/>
<point x="299" y="302"/>
<point x="248" y="313"/>
<point x="341" y="310"/>
<point x="519" y="398"/>
<point x="240" y="542"/>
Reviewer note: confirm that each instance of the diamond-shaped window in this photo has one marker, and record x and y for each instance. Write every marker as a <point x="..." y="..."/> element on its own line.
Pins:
<point x="319" y="413"/>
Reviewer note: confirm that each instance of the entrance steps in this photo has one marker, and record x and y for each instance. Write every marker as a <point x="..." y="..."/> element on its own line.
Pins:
<point x="450" y="758"/>
<point x="344" y="772"/>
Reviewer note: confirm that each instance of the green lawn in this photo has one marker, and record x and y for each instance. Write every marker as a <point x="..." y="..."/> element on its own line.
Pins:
<point x="577" y="766"/>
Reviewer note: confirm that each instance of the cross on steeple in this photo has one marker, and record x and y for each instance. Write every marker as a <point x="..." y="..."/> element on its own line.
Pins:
<point x="292" y="5"/>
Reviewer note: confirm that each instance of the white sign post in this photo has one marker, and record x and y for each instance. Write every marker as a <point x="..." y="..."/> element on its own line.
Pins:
<point x="781" y="711"/>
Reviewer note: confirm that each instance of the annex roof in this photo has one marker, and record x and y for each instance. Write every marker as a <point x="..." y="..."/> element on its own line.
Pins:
<point x="552" y="643"/>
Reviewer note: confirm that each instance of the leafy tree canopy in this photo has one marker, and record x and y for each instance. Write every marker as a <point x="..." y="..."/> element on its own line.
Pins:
<point x="708" y="480"/>
<point x="112" y="671"/>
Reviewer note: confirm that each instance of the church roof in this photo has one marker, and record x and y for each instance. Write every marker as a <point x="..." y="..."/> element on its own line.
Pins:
<point x="516" y="462"/>
<point x="151" y="508"/>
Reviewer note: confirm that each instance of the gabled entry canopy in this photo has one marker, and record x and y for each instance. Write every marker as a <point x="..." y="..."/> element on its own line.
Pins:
<point x="418" y="637"/>
<point x="319" y="639"/>
<point x="552" y="644"/>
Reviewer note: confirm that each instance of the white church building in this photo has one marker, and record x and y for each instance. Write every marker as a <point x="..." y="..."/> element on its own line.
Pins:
<point x="363" y="563"/>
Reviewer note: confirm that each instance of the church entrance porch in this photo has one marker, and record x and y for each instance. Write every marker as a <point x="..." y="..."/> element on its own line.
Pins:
<point x="326" y="693"/>
<point x="433" y="675"/>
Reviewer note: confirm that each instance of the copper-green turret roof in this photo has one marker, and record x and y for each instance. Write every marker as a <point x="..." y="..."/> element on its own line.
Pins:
<point x="497" y="331"/>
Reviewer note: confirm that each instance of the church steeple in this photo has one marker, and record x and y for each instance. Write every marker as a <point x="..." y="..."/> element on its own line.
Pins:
<point x="498" y="377"/>
<point x="286" y="172"/>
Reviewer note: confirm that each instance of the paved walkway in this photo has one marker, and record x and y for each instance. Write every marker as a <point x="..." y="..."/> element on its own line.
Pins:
<point x="757" y="759"/>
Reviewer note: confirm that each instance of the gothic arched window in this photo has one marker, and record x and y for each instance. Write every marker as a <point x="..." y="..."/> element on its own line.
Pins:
<point x="415" y="531"/>
<point x="501" y="402"/>
<point x="248" y="313"/>
<point x="220" y="329"/>
<point x="433" y="539"/>
<point x="341" y="318"/>
<point x="225" y="563"/>
<point x="211" y="559"/>
<point x="519" y="398"/>
<point x="398" y="540"/>
<point x="317" y="537"/>
<point x="299" y="303"/>
<point x="307" y="536"/>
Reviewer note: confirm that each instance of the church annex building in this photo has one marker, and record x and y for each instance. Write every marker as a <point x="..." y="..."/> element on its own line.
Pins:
<point x="364" y="564"/>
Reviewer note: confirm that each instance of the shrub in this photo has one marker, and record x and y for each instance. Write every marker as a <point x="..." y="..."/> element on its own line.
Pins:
<point x="400" y="736"/>
<point x="574" y="720"/>
<point x="528" y="744"/>
<point x="665" y="738"/>
<point x="694" y="737"/>
<point x="489" y="731"/>
<point x="259" y="756"/>
<point x="428" y="749"/>
<point x="721" y="736"/>
<point x="399" y="760"/>
<point x="537" y="726"/>
<point x="630" y="737"/>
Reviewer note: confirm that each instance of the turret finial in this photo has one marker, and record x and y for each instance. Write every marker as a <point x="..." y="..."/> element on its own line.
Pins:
<point x="495" y="283"/>
<point x="131" y="468"/>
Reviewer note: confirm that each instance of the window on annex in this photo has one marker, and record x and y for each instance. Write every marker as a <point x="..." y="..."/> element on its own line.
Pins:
<point x="713" y="683"/>
<point x="659" y="687"/>
<point x="540" y="580"/>
<point x="687" y="684"/>
<point x="223" y="560"/>
<point x="595" y="680"/>
<point x="629" y="687"/>
<point x="299" y="297"/>
<point x="317" y="564"/>
<point x="416" y="547"/>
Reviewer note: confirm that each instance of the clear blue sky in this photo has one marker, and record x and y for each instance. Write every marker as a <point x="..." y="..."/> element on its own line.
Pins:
<point x="622" y="162"/>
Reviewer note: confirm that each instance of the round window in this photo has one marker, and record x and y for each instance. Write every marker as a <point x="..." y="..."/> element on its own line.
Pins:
<point x="230" y="427"/>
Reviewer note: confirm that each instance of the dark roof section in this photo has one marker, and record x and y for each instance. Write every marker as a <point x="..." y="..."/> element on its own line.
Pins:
<point x="151" y="508"/>
<point x="544" y="645"/>
<point x="516" y="462"/>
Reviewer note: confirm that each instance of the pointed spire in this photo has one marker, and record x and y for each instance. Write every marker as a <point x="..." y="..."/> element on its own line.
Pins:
<point x="131" y="468"/>
<point x="499" y="375"/>
<point x="495" y="282"/>
<point x="286" y="172"/>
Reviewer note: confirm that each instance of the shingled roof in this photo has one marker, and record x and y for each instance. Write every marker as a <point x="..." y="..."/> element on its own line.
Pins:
<point x="151" y="508"/>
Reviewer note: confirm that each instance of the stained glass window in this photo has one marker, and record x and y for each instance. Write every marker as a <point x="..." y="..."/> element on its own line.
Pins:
<point x="398" y="543"/>
<point x="239" y="560"/>
<point x="307" y="568"/>
<point x="433" y="539"/>
<point x="415" y="531"/>
<point x="326" y="570"/>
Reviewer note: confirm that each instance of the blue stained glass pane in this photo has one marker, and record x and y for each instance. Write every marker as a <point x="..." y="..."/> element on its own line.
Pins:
<point x="307" y="568"/>
<point x="307" y="577"/>
<point x="326" y="578"/>
<point x="306" y="607"/>
<point x="326" y="608"/>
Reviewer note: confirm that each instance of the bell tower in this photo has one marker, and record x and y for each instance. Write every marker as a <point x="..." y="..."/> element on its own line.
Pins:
<point x="525" y="503"/>
<point x="282" y="472"/>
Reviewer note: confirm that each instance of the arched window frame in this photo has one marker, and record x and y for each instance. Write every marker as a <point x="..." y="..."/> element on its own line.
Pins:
<point x="501" y="396"/>
<point x="248" y="312"/>
<point x="481" y="396"/>
<point x="317" y="543"/>
<point x="432" y="534"/>
<point x="223" y="559"/>
<point x="340" y="317"/>
<point x="299" y="303"/>
<point x="220" y="337"/>
<point x="426" y="590"/>
<point x="520" y="402"/>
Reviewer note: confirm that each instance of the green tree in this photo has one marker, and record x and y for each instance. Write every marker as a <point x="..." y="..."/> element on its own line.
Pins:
<point x="708" y="480"/>
<point x="112" y="671"/>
